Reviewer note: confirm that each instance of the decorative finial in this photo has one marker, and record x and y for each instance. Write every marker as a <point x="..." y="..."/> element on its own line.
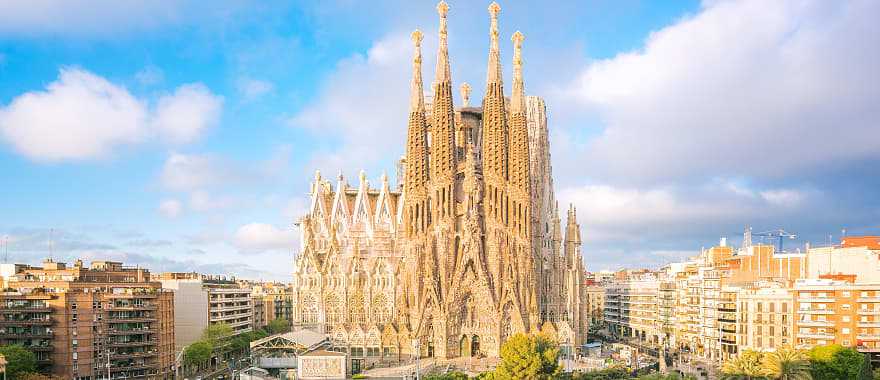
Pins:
<point x="384" y="178"/>
<point x="465" y="94"/>
<point x="442" y="8"/>
<point x="494" y="9"/>
<point x="494" y="69"/>
<point x="417" y="100"/>
<point x="417" y="37"/>
<point x="340" y="176"/>
<point x="363" y="176"/>
<point x="518" y="95"/>
<point x="442" y="73"/>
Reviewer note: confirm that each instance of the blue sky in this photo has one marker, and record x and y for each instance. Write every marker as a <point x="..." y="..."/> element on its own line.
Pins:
<point x="182" y="136"/>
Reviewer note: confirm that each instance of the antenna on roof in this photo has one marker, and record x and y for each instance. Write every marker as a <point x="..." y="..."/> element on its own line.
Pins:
<point x="51" y="244"/>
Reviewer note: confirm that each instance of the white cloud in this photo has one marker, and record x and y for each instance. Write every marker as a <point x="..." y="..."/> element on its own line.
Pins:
<point x="79" y="116"/>
<point x="258" y="237"/>
<point x="746" y="88"/>
<point x="170" y="208"/>
<point x="83" y="116"/>
<point x="186" y="172"/>
<point x="183" y="116"/>
<point x="363" y="105"/>
<point x="251" y="89"/>
<point x="632" y="214"/>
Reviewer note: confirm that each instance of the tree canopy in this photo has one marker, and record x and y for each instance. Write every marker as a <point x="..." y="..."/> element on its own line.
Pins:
<point x="215" y="333"/>
<point x="278" y="326"/>
<point x="528" y="357"/>
<point x="838" y="362"/>
<point x="198" y="353"/>
<point x="19" y="360"/>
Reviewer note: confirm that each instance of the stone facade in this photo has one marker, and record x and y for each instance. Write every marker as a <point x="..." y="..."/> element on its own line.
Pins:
<point x="467" y="251"/>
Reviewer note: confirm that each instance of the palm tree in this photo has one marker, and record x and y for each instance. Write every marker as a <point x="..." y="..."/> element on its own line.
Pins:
<point x="746" y="366"/>
<point x="787" y="363"/>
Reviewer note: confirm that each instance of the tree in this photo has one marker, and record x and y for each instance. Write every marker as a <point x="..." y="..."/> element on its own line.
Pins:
<point x="214" y="334"/>
<point x="448" y="376"/>
<point x="198" y="353"/>
<point x="746" y="366"/>
<point x="666" y="376"/>
<point x="528" y="357"/>
<point x="278" y="326"/>
<point x="19" y="360"/>
<point x="837" y="362"/>
<point x="787" y="363"/>
<point x="38" y="376"/>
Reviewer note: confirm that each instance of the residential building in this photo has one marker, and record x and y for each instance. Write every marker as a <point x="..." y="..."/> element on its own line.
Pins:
<point x="203" y="300"/>
<point x="79" y="319"/>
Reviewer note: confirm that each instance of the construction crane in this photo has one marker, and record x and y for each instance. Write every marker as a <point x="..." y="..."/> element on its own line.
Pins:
<point x="779" y="234"/>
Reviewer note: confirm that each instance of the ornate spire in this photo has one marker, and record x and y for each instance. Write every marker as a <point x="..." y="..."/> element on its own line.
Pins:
<point x="494" y="70"/>
<point x="443" y="73"/>
<point x="417" y="93"/>
<point x="518" y="98"/>
<point x="442" y="162"/>
<point x="465" y="94"/>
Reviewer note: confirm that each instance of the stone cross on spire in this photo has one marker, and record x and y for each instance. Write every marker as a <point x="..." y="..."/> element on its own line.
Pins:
<point x="465" y="94"/>
<point x="417" y="99"/>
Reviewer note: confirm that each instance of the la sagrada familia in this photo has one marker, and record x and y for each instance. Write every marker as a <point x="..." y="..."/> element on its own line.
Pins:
<point x="466" y="250"/>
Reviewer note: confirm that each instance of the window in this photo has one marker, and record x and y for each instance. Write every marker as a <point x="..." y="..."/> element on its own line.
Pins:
<point x="845" y="318"/>
<point x="846" y="343"/>
<point x="845" y="330"/>
<point x="772" y="307"/>
<point x="864" y="294"/>
<point x="846" y="306"/>
<point x="845" y="294"/>
<point x="785" y="307"/>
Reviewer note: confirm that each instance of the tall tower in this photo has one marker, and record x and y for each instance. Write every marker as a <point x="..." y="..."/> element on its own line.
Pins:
<point x="443" y="158"/>
<point x="416" y="179"/>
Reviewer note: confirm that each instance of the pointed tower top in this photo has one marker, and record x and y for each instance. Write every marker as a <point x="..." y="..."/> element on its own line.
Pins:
<point x="518" y="97"/>
<point x="363" y="177"/>
<point x="442" y="73"/>
<point x="384" y="179"/>
<point x="317" y="175"/>
<point x="494" y="70"/>
<point x="417" y="96"/>
<point x="465" y="94"/>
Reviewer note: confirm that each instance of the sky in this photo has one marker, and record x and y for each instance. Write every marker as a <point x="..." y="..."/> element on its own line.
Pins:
<point x="182" y="135"/>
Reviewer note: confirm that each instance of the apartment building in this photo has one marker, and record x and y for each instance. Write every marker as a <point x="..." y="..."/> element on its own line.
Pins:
<point x="84" y="323"/>
<point x="631" y="308"/>
<point x="596" y="305"/>
<point x="203" y="300"/>
<point x="766" y="317"/>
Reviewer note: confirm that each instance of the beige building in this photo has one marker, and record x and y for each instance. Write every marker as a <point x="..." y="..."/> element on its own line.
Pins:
<point x="766" y="316"/>
<point x="466" y="251"/>
<point x="631" y="309"/>
<point x="78" y="319"/>
<point x="202" y="300"/>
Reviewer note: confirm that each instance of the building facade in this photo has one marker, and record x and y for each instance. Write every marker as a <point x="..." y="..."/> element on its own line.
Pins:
<point x="201" y="301"/>
<point x="467" y="250"/>
<point x="79" y="319"/>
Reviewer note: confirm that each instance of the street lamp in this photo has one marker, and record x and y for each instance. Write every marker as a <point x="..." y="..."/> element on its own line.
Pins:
<point x="417" y="344"/>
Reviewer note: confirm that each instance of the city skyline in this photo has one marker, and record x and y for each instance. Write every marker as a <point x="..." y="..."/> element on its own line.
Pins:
<point x="671" y="126"/>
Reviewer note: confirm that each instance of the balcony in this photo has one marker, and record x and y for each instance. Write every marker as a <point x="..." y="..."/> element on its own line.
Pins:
<point x="818" y="311"/>
<point x="25" y="335"/>
<point x="816" y="336"/>
<point x="123" y="319"/>
<point x="869" y="312"/>
<point x="816" y="323"/>
<point x="868" y="337"/>
<point x="816" y="299"/>
<point x="868" y="299"/>
<point x="26" y="322"/>
<point x="130" y="331"/>
<point x="150" y="342"/>
<point x="25" y="309"/>
<point x="133" y="355"/>
<point x="132" y="307"/>
<point x="869" y="324"/>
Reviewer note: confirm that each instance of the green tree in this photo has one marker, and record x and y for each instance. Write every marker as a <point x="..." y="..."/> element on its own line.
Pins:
<point x="613" y="373"/>
<point x="278" y="326"/>
<point x="448" y="376"/>
<point x="197" y="353"/>
<point x="666" y="376"/>
<point x="787" y="363"/>
<point x="746" y="366"/>
<point x="19" y="360"/>
<point x="214" y="334"/>
<point x="838" y="362"/>
<point x="528" y="357"/>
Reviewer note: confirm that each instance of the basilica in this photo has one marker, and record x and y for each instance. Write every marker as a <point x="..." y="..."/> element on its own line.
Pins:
<point x="465" y="248"/>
